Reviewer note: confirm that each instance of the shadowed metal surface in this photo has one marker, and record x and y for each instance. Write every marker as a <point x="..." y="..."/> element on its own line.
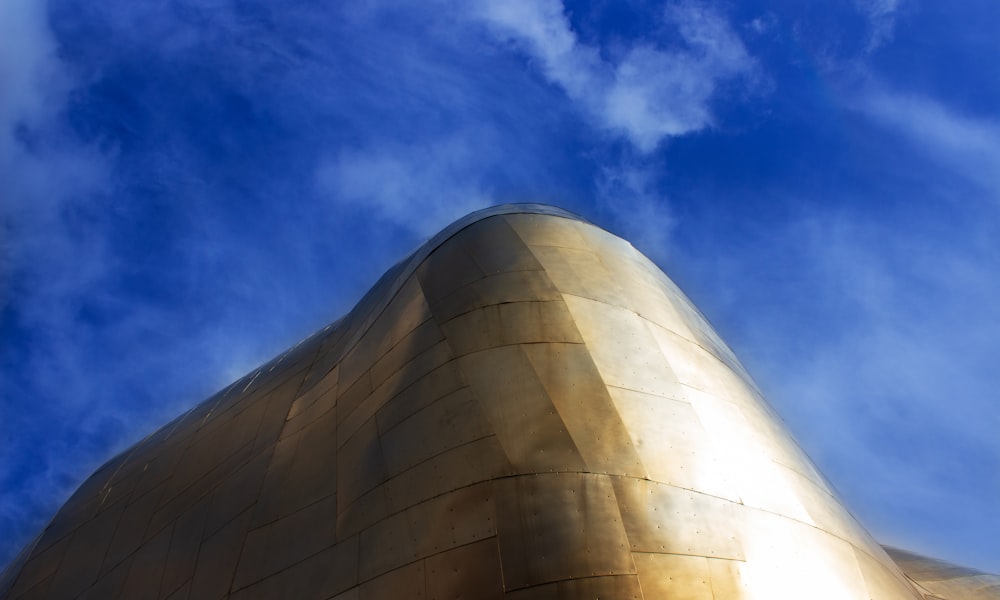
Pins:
<point x="526" y="407"/>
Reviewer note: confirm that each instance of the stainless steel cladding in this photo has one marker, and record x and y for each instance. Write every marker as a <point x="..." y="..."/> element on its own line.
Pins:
<point x="525" y="408"/>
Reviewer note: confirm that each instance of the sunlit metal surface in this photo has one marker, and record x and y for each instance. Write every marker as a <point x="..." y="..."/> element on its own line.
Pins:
<point x="938" y="579"/>
<point x="526" y="407"/>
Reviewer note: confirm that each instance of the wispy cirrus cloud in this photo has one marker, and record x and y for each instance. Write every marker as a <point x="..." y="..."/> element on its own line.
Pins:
<point x="881" y="16"/>
<point x="420" y="187"/>
<point x="968" y="145"/>
<point x="47" y="266"/>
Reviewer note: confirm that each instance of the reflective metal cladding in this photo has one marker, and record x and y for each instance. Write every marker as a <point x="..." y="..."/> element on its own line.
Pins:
<point x="525" y="408"/>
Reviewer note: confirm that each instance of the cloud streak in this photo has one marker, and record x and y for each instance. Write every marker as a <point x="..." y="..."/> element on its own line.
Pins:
<point x="968" y="145"/>
<point x="881" y="15"/>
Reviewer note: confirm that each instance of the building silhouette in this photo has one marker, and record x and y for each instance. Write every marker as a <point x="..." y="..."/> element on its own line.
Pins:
<point x="524" y="408"/>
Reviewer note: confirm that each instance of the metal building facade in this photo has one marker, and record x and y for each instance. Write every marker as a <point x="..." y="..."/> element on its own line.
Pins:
<point x="524" y="408"/>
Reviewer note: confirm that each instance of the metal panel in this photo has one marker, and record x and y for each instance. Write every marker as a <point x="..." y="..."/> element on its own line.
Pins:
<point x="942" y="580"/>
<point x="581" y="399"/>
<point x="322" y="575"/>
<point x="118" y="490"/>
<point x="271" y="504"/>
<point x="314" y="472"/>
<point x="526" y="423"/>
<point x="40" y="567"/>
<point x="404" y="313"/>
<point x="558" y="526"/>
<point x="513" y="323"/>
<point x="827" y="513"/>
<point x="514" y="286"/>
<point x="181" y="593"/>
<point x="81" y="561"/>
<point x="360" y="465"/>
<point x="979" y="587"/>
<point x="217" y="558"/>
<point x="405" y="583"/>
<point x="111" y="585"/>
<point x="325" y="388"/>
<point x="160" y="467"/>
<point x="145" y="570"/>
<point x="760" y="482"/>
<point x="385" y="546"/>
<point x="786" y="558"/>
<point x="617" y="587"/>
<point x="356" y="516"/>
<point x="691" y="364"/>
<point x="481" y="460"/>
<point x="580" y="273"/>
<point x="880" y="581"/>
<point x="727" y="579"/>
<point x="329" y="354"/>
<point x="674" y="576"/>
<point x="278" y="545"/>
<point x="672" y="444"/>
<point x="356" y="393"/>
<point x="323" y="405"/>
<point x="184" y="541"/>
<point x="437" y="383"/>
<point x="622" y="347"/>
<point x="108" y="586"/>
<point x="351" y="594"/>
<point x="447" y="423"/>
<point x="448" y="268"/>
<point x="495" y="247"/>
<point x="130" y="529"/>
<point x="412" y="371"/>
<point x="537" y="230"/>
<point x="453" y="519"/>
<point x="648" y="300"/>
<point x="424" y="336"/>
<point x="665" y="519"/>
<point x="236" y="493"/>
<point x="470" y="571"/>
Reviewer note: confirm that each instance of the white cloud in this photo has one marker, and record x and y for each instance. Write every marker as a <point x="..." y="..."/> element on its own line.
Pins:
<point x="650" y="93"/>
<point x="967" y="145"/>
<point x="419" y="187"/>
<point x="543" y="30"/>
<point x="881" y="15"/>
<point x="42" y="171"/>
<point x="48" y="264"/>
<point x="28" y="68"/>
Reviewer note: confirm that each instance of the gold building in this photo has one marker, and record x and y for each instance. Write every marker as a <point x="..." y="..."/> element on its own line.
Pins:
<point x="525" y="408"/>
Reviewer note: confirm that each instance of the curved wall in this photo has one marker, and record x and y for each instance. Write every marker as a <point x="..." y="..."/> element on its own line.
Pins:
<point x="527" y="407"/>
<point x="940" y="580"/>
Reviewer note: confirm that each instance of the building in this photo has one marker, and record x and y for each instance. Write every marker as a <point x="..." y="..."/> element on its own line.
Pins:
<point x="524" y="408"/>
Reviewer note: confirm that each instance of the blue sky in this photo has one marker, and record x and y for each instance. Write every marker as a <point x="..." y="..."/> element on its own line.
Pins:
<point x="189" y="187"/>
